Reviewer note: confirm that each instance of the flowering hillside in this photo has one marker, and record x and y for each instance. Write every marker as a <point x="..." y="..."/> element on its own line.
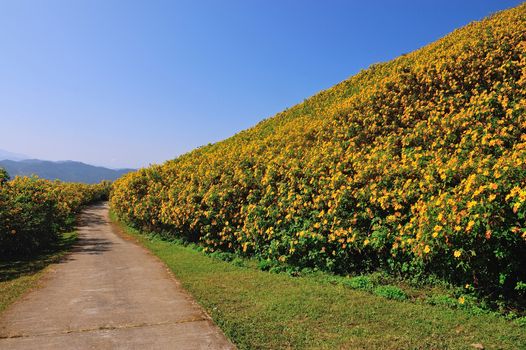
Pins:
<point x="416" y="166"/>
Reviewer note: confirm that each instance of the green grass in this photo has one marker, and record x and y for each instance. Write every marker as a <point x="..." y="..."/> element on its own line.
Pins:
<point x="262" y="310"/>
<point x="17" y="277"/>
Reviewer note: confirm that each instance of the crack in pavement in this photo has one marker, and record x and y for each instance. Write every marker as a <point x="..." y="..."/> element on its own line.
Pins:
<point x="103" y="328"/>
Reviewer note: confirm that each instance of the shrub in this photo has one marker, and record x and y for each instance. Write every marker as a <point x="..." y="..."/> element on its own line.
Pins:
<point x="390" y="292"/>
<point x="33" y="212"/>
<point x="265" y="265"/>
<point x="359" y="282"/>
<point x="442" y="300"/>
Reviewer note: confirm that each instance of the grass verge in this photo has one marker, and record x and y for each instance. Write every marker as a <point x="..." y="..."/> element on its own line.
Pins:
<point x="262" y="310"/>
<point x="17" y="277"/>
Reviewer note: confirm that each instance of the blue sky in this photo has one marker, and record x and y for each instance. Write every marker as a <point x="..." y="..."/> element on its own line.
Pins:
<point x="129" y="83"/>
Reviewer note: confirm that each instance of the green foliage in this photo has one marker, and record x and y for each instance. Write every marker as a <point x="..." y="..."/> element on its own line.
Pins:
<point x="4" y="176"/>
<point x="225" y="256"/>
<point x="521" y="288"/>
<point x="265" y="265"/>
<point x="238" y="262"/>
<point x="33" y="212"/>
<point x="521" y="321"/>
<point x="416" y="167"/>
<point x="390" y="292"/>
<point x="442" y="300"/>
<point x="359" y="282"/>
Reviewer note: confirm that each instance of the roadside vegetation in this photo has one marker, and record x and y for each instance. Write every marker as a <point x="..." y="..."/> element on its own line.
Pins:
<point x="34" y="212"/>
<point x="279" y="310"/>
<point x="415" y="168"/>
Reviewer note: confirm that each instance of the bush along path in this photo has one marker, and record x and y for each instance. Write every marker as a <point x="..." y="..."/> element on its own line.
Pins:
<point x="35" y="212"/>
<point x="108" y="293"/>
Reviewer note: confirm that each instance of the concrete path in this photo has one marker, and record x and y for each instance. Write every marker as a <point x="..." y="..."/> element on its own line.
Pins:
<point x="109" y="293"/>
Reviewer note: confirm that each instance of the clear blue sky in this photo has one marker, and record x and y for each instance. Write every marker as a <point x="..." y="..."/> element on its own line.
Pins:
<point x="128" y="83"/>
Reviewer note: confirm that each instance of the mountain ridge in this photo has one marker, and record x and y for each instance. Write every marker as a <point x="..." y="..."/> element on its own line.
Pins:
<point x="66" y="170"/>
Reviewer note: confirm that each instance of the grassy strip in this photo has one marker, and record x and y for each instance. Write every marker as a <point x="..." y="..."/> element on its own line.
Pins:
<point x="261" y="310"/>
<point x="17" y="277"/>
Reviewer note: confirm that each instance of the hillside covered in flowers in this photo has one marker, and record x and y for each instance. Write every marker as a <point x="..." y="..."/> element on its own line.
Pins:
<point x="416" y="166"/>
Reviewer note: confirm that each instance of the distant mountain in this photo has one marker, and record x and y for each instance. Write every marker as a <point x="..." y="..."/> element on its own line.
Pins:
<point x="68" y="171"/>
<point x="11" y="156"/>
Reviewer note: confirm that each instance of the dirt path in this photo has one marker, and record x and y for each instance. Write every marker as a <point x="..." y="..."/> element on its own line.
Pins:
<point x="108" y="294"/>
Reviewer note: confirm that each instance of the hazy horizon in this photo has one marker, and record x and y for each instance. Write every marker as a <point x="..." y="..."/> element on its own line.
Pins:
<point x="29" y="159"/>
<point x="123" y="84"/>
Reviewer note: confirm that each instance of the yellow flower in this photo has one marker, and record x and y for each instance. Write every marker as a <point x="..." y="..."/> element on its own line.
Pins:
<point x="471" y="204"/>
<point x="366" y="242"/>
<point x="457" y="253"/>
<point x="427" y="249"/>
<point x="461" y="300"/>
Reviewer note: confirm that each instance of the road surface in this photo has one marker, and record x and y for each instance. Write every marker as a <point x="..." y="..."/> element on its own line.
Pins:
<point x="109" y="293"/>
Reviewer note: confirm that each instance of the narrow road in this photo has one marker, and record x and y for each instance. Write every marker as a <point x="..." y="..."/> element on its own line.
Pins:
<point x="109" y="293"/>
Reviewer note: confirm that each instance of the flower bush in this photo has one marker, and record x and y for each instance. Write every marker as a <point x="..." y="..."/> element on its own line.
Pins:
<point x="416" y="166"/>
<point x="34" y="211"/>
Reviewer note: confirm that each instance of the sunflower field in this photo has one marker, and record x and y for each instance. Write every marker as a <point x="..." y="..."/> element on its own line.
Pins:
<point x="416" y="166"/>
<point x="33" y="212"/>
